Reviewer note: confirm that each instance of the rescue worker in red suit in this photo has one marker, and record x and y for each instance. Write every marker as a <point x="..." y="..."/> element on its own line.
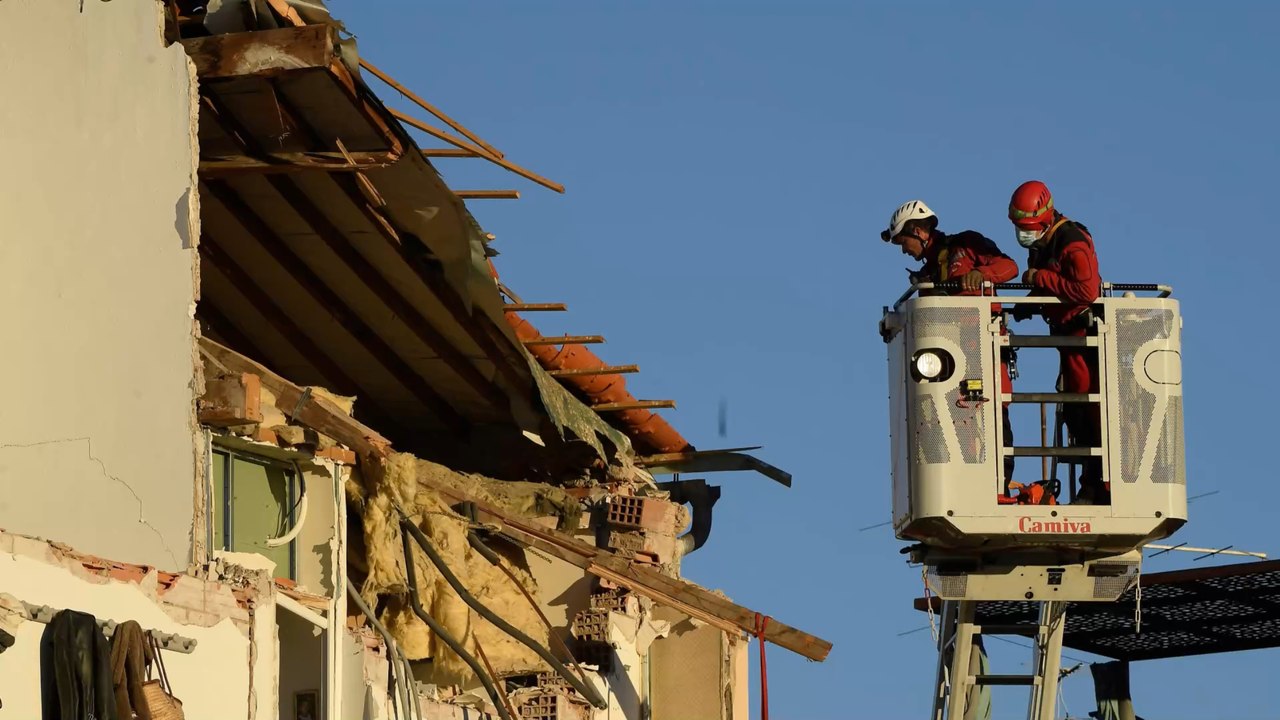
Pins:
<point x="1063" y="263"/>
<point x="969" y="258"/>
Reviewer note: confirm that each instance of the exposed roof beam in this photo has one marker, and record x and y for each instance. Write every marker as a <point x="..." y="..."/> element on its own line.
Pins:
<point x="479" y="151"/>
<point x="636" y="405"/>
<point x="534" y="307"/>
<point x="257" y="159"/>
<point x="264" y="52"/>
<point x="602" y="370"/>
<point x="336" y="378"/>
<point x="566" y="340"/>
<point x="506" y="359"/>
<point x="429" y="107"/>
<point x="448" y="153"/>
<point x="414" y="319"/>
<point x="488" y="194"/>
<point x="324" y="296"/>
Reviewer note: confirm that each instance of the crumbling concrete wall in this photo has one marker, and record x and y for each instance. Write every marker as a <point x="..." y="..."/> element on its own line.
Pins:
<point x="213" y="681"/>
<point x="98" y="221"/>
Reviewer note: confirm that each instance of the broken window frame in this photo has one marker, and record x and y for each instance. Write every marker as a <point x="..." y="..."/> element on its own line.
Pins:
<point x="221" y="513"/>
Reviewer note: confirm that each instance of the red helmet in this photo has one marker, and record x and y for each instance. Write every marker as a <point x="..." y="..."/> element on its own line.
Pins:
<point x="1031" y="205"/>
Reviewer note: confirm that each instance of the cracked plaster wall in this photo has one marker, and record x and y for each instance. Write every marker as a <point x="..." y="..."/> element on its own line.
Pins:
<point x="98" y="441"/>
<point x="213" y="682"/>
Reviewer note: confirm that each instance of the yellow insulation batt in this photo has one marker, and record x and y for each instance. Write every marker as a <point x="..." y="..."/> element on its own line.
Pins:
<point x="397" y="485"/>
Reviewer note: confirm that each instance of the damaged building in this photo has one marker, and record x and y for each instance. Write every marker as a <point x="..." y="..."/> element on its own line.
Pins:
<point x="277" y="436"/>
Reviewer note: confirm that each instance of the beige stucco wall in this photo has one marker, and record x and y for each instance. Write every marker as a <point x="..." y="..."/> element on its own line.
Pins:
<point x="97" y="225"/>
<point x="213" y="681"/>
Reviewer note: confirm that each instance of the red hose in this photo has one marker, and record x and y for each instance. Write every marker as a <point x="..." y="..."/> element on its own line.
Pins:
<point x="762" y="622"/>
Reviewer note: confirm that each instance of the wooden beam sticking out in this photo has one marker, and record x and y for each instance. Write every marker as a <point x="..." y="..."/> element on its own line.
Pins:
<point x="534" y="307"/>
<point x="429" y="107"/>
<point x="230" y="400"/>
<point x="680" y="594"/>
<point x="566" y="340"/>
<point x="448" y="152"/>
<point x="605" y="370"/>
<point x="481" y="152"/>
<point x="637" y="405"/>
<point x="488" y="194"/>
<point x="264" y="52"/>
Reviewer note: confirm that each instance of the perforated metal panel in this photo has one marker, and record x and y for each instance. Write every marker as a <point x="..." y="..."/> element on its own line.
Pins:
<point x="1169" y="466"/>
<point x="1137" y="405"/>
<point x="1185" y="612"/>
<point x="931" y="439"/>
<point x="1110" y="587"/>
<point x="951" y="585"/>
<point x="966" y="328"/>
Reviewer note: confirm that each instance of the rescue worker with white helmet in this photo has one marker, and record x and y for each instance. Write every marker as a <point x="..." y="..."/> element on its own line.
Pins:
<point x="968" y="258"/>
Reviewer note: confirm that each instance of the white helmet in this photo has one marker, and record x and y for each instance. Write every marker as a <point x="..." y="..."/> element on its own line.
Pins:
<point x="912" y="210"/>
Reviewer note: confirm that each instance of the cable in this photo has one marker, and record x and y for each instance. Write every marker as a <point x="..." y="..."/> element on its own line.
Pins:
<point x="588" y="692"/>
<point x="393" y="650"/>
<point x="444" y="634"/>
<point x="488" y="554"/>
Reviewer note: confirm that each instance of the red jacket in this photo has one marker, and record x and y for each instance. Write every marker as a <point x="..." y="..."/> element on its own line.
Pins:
<point x="951" y="257"/>
<point x="1066" y="268"/>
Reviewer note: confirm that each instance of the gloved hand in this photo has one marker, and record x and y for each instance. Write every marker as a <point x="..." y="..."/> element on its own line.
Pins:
<point x="972" y="281"/>
<point x="1029" y="276"/>
<point x="1022" y="312"/>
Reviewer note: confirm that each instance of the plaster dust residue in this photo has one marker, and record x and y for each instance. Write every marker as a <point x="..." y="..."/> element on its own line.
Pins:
<point x="447" y="530"/>
<point x="97" y="279"/>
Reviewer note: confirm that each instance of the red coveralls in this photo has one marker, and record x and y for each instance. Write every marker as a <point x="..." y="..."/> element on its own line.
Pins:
<point x="951" y="257"/>
<point x="1067" y="268"/>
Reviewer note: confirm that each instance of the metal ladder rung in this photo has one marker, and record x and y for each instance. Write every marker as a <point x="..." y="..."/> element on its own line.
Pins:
<point x="1022" y="630"/>
<point x="1051" y="397"/>
<point x="1052" y="341"/>
<point x="1065" y="452"/>
<point x="1027" y="680"/>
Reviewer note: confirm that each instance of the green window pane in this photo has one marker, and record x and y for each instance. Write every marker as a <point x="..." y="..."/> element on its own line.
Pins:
<point x="219" y="481"/>
<point x="261" y="504"/>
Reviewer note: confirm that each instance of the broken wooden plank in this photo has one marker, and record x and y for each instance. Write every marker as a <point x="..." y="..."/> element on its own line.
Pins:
<point x="695" y="601"/>
<point x="262" y="52"/>
<point x="534" y="307"/>
<point x="231" y="400"/>
<point x="487" y="194"/>
<point x="565" y="340"/>
<point x="298" y="403"/>
<point x="634" y="405"/>
<point x="602" y="370"/>
<point x="364" y="63"/>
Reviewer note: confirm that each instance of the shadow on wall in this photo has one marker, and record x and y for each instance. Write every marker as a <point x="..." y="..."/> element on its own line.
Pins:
<point x="184" y="215"/>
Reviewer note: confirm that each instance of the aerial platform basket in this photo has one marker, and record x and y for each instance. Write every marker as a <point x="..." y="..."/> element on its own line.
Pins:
<point x="948" y="440"/>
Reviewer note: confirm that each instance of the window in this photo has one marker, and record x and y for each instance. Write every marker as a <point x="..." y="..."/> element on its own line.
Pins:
<point x="254" y="501"/>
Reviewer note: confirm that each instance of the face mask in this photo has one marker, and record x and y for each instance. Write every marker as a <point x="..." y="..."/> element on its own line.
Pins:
<point x="1027" y="238"/>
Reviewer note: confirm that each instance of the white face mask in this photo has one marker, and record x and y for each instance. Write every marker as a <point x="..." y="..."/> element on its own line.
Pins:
<point x="1027" y="238"/>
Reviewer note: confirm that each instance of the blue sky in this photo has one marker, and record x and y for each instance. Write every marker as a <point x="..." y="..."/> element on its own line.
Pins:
<point x="729" y="167"/>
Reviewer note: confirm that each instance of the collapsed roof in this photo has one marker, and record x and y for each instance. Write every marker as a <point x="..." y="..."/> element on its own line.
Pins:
<point x="333" y="250"/>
